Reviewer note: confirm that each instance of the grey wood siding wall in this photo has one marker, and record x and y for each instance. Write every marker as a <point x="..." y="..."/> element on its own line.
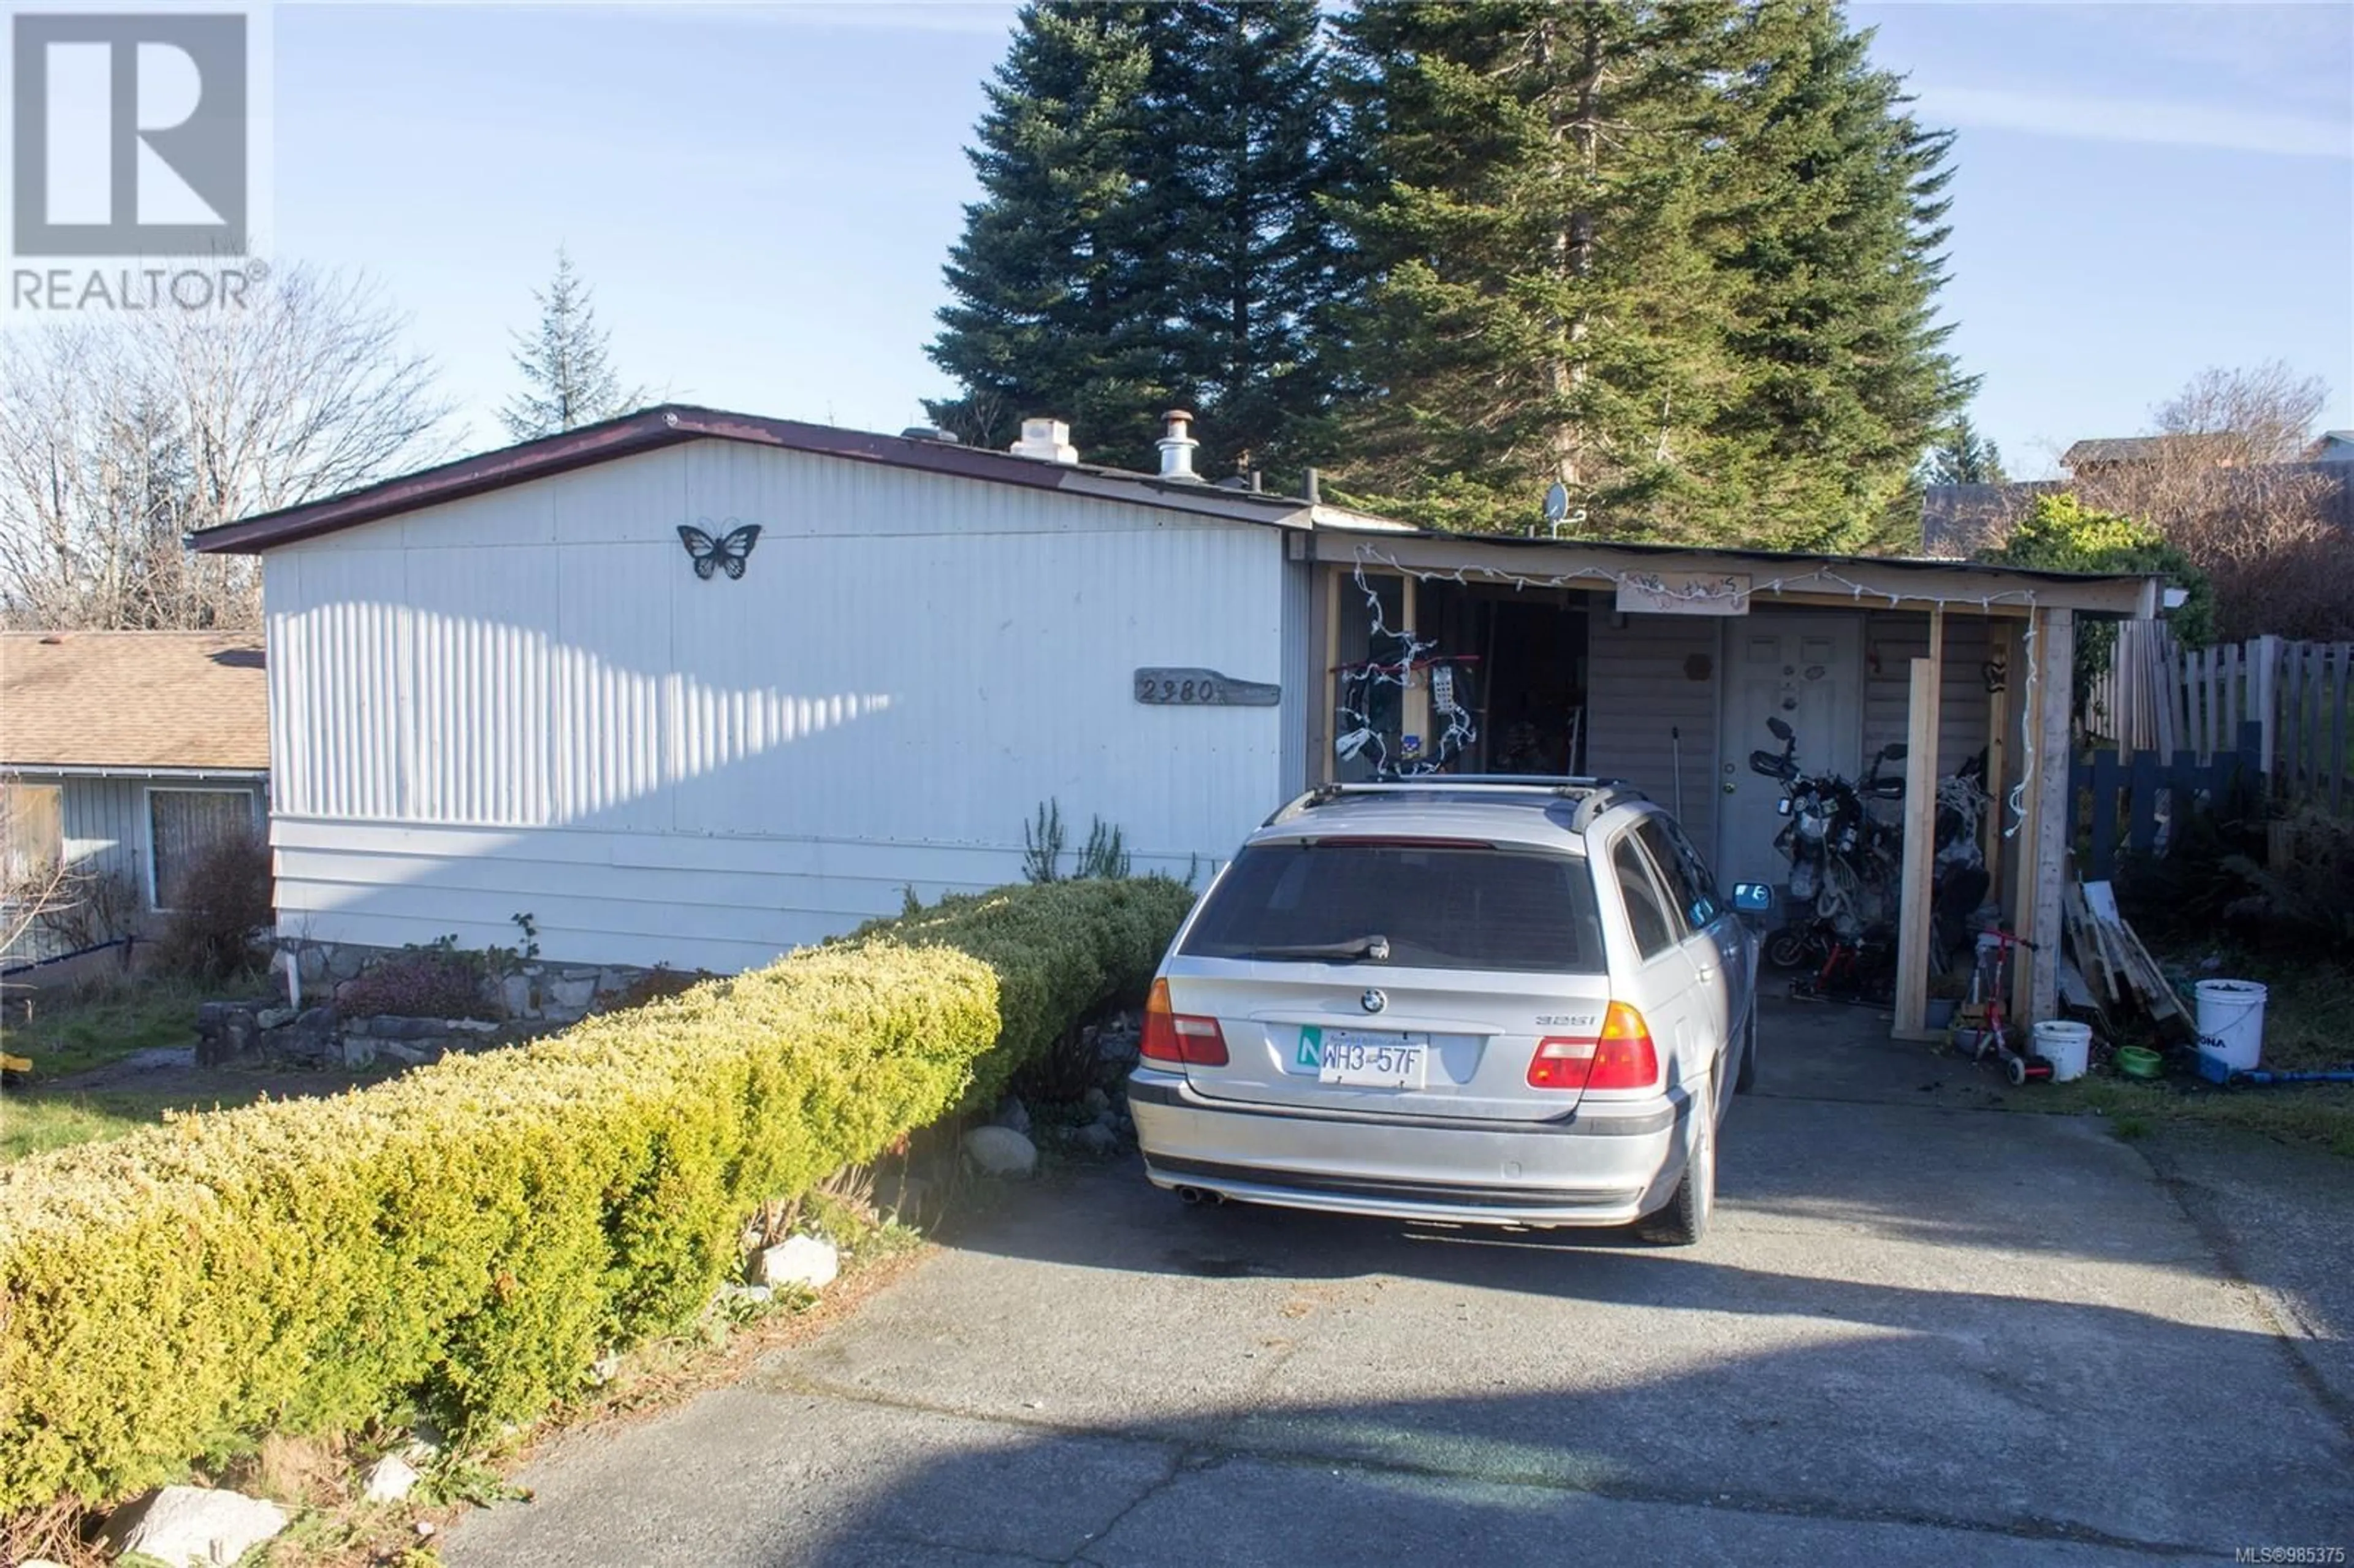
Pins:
<point x="1641" y="687"/>
<point x="1892" y="641"/>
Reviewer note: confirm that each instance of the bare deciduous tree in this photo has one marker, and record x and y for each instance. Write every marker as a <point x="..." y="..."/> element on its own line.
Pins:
<point x="2227" y="486"/>
<point x="2250" y="415"/>
<point x="118" y="438"/>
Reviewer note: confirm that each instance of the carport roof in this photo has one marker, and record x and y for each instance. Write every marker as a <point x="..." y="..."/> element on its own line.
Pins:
<point x="1896" y="581"/>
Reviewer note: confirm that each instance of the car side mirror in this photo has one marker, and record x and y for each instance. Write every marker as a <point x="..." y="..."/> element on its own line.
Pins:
<point x="1753" y="897"/>
<point x="1894" y="751"/>
<point x="1781" y="731"/>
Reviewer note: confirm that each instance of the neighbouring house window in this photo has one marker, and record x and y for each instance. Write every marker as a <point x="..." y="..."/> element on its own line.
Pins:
<point x="32" y="834"/>
<point x="183" y="824"/>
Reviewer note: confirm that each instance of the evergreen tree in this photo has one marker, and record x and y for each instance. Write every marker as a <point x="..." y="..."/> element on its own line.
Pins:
<point x="1680" y="256"/>
<point x="1238" y="143"/>
<point x="569" y="376"/>
<point x="1540" y="305"/>
<point x="1961" y="456"/>
<point x="1050" y="314"/>
<point x="1828" y="229"/>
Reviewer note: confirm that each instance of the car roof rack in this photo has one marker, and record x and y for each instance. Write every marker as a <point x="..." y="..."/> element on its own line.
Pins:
<point x="1592" y="795"/>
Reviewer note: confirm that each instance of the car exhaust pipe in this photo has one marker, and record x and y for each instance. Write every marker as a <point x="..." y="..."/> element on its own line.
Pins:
<point x="1191" y="1196"/>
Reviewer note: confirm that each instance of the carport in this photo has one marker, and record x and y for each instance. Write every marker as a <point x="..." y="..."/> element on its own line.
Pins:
<point x="1660" y="664"/>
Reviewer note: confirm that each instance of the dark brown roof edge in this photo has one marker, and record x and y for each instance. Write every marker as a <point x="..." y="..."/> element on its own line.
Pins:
<point x="670" y="424"/>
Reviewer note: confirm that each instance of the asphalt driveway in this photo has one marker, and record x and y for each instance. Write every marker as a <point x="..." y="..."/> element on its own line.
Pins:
<point x="1921" y="1332"/>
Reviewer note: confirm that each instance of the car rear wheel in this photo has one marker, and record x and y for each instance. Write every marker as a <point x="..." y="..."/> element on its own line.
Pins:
<point x="1684" y="1220"/>
<point x="1745" y="1079"/>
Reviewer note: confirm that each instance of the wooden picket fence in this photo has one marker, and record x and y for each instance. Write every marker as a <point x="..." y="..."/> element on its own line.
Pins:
<point x="2158" y="698"/>
<point x="2126" y="790"/>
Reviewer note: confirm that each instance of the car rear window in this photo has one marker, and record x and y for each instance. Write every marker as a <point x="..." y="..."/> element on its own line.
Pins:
<point x="1440" y="906"/>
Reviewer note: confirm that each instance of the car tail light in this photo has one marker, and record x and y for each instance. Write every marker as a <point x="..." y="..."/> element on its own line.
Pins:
<point x="1621" y="1057"/>
<point x="1173" y="1036"/>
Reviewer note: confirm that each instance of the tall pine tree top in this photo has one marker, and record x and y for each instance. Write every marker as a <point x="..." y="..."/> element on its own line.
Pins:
<point x="1050" y="317"/>
<point x="567" y="371"/>
<point x="1238" y="149"/>
<point x="1541" y="306"/>
<point x="1680" y="256"/>
<point x="1828" y="230"/>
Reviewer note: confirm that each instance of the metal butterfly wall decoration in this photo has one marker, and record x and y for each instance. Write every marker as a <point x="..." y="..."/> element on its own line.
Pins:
<point x="727" y="553"/>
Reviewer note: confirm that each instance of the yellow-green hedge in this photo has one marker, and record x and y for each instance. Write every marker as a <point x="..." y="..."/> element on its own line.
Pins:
<point x="471" y="1236"/>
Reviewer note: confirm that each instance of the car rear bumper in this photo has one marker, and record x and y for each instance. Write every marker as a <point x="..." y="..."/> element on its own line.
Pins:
<point x="1604" y="1165"/>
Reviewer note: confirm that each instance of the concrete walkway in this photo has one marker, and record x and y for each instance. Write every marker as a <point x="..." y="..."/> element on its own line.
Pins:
<point x="1921" y="1332"/>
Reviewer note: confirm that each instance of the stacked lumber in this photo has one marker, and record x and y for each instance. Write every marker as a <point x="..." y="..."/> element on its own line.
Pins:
<point x="2113" y="969"/>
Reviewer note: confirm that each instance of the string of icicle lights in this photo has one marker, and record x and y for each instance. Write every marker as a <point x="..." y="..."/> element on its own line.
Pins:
<point x="1816" y="577"/>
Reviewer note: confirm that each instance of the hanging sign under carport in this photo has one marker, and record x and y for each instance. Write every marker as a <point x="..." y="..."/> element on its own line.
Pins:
<point x="1684" y="593"/>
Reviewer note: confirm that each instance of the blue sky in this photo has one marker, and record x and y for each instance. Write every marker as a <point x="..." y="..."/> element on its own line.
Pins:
<point x="762" y="196"/>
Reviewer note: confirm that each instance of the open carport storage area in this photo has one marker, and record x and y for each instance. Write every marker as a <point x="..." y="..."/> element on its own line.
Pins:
<point x="1921" y="1332"/>
<point x="1661" y="665"/>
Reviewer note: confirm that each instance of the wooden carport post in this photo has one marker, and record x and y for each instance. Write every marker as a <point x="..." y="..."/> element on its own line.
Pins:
<point x="2049" y="827"/>
<point x="1912" y="935"/>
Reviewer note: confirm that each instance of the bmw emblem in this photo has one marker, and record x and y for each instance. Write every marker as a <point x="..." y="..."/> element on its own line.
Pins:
<point x="1373" y="1000"/>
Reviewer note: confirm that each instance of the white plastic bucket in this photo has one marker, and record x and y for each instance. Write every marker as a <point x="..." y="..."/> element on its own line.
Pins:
<point x="2232" y="1021"/>
<point x="2067" y="1046"/>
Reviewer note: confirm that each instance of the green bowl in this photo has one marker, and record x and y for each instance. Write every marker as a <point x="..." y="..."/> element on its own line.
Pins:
<point x="2139" y="1061"/>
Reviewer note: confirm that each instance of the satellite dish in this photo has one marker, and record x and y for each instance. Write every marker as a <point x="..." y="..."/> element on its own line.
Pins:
<point x="1556" y="502"/>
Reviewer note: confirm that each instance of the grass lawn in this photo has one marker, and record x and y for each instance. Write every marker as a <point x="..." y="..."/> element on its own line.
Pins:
<point x="32" y="1121"/>
<point x="2308" y="1024"/>
<point x="72" y="1034"/>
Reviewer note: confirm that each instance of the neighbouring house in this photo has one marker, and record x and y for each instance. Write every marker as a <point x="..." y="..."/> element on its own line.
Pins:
<point x="694" y="687"/>
<point x="1959" y="520"/>
<point x="124" y="755"/>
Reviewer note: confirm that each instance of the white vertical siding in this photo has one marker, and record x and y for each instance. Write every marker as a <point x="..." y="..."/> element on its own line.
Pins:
<point x="529" y="701"/>
<point x="1641" y="686"/>
<point x="1303" y="681"/>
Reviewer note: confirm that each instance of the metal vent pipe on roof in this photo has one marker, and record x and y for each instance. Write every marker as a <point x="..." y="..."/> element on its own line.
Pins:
<point x="1177" y="446"/>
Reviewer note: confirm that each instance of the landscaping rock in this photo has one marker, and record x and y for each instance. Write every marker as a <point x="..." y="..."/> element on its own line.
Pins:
<point x="276" y="1017"/>
<point x="756" y="1294"/>
<point x="573" y="992"/>
<point x="514" y="993"/>
<point x="391" y="1479"/>
<point x="184" y="1525"/>
<point x="357" y="1050"/>
<point x="226" y="1030"/>
<point x="1094" y="1137"/>
<point x="345" y="963"/>
<point x="1096" y="1101"/>
<point x="391" y="1028"/>
<point x="1001" y="1151"/>
<point x="798" y="1260"/>
<point x="1013" y="1113"/>
<point x="409" y="1055"/>
<point x="311" y="963"/>
<point x="472" y="1026"/>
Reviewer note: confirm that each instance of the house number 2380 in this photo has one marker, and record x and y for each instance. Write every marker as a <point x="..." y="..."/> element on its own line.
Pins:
<point x="1179" y="685"/>
<point x="1166" y="689"/>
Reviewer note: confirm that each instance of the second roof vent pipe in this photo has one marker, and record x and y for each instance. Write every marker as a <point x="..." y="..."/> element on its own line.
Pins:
<point x="1177" y="447"/>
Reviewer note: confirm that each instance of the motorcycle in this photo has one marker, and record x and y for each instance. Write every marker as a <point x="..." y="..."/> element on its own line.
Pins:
<point x="1843" y="859"/>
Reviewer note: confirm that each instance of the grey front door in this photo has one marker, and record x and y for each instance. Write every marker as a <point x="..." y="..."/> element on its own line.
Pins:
<point x="1807" y="671"/>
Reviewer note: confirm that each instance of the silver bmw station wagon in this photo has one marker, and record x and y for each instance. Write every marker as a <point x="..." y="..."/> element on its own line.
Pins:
<point x="1499" y="1001"/>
